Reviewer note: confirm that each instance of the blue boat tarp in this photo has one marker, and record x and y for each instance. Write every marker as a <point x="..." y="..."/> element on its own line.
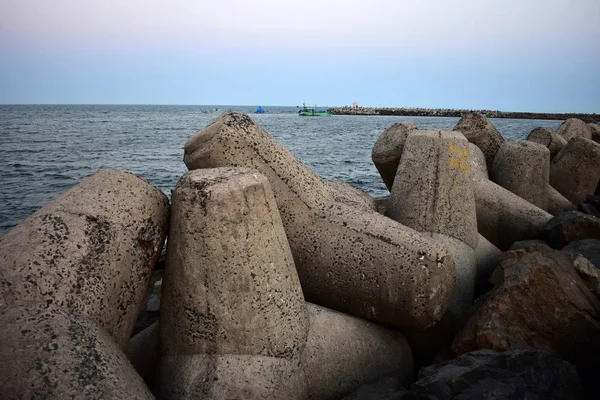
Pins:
<point x="259" y="110"/>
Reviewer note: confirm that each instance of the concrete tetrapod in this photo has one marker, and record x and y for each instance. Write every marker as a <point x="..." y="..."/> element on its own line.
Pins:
<point x="74" y="275"/>
<point x="49" y="352"/>
<point x="523" y="167"/>
<point x="232" y="305"/>
<point x="350" y="260"/>
<point x="433" y="193"/>
<point x="574" y="127"/>
<point x="558" y="203"/>
<point x="480" y="131"/>
<point x="552" y="140"/>
<point x="388" y="148"/>
<point x="575" y="171"/>
<point x="504" y="218"/>
<point x="433" y="189"/>
<point x="343" y="352"/>
<point x="91" y="251"/>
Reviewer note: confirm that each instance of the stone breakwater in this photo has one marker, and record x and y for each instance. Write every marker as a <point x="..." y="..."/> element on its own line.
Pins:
<point x="446" y="112"/>
<point x="476" y="275"/>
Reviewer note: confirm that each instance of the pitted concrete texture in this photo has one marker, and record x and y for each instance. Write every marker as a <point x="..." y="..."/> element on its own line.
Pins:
<point x="231" y="295"/>
<point x="433" y="189"/>
<point x="477" y="162"/>
<point x="547" y="137"/>
<point x="92" y="251"/>
<point x="357" y="262"/>
<point x="342" y="353"/>
<point x="234" y="140"/>
<point x="575" y="171"/>
<point x="574" y="127"/>
<point x="487" y="256"/>
<point x="345" y="193"/>
<point x="523" y="167"/>
<point x="504" y="218"/>
<point x="480" y="131"/>
<point x="49" y="352"/>
<point x="398" y="276"/>
<point x="465" y="265"/>
<point x="230" y="285"/>
<point x="388" y="148"/>
<point x="229" y="376"/>
<point x="558" y="203"/>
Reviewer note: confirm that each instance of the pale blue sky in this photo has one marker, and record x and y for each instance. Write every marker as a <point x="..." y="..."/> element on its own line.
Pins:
<point x="526" y="55"/>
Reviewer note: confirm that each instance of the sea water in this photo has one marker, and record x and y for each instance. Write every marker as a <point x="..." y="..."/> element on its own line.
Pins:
<point x="46" y="149"/>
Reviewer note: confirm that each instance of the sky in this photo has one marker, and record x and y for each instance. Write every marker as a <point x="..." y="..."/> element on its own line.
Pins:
<point x="525" y="55"/>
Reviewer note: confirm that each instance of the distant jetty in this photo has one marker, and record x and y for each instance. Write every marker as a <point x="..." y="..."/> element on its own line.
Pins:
<point x="445" y="112"/>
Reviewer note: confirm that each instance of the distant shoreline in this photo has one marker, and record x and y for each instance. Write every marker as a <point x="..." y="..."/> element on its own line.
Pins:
<point x="436" y="112"/>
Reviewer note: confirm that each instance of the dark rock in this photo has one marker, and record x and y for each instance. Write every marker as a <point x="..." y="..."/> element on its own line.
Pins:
<point x="589" y="248"/>
<point x="527" y="244"/>
<point x="389" y="388"/>
<point x="571" y="226"/>
<point x="486" y="374"/>
<point x="541" y="302"/>
<point x="150" y="311"/>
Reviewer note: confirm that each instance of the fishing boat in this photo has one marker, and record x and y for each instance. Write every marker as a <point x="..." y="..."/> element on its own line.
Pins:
<point x="259" y="110"/>
<point x="312" y="112"/>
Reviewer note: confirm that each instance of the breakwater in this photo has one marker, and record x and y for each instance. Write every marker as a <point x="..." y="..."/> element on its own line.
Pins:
<point x="446" y="112"/>
<point x="315" y="289"/>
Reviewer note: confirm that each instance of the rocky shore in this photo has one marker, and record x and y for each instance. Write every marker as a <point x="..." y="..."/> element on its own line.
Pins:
<point x="445" y="112"/>
<point x="477" y="277"/>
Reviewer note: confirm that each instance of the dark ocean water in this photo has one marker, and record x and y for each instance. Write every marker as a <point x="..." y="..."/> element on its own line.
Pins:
<point x="45" y="150"/>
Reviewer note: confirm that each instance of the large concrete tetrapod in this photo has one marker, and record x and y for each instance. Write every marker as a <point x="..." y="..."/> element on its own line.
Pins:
<point x="480" y="131"/>
<point x="574" y="127"/>
<point x="433" y="193"/>
<point x="547" y="137"/>
<point x="92" y="250"/>
<point x="523" y="167"/>
<point x="575" y="171"/>
<point x="73" y="277"/>
<point x="343" y="352"/>
<point x="388" y="148"/>
<point x="231" y="305"/>
<point x="350" y="260"/>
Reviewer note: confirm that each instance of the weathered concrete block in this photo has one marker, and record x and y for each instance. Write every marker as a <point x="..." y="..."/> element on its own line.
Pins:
<point x="91" y="251"/>
<point x="523" y="167"/>
<point x="345" y="193"/>
<point x="232" y="305"/>
<point x="574" y="127"/>
<point x="575" y="171"/>
<point x="547" y="137"/>
<point x="50" y="352"/>
<point x="504" y="218"/>
<point x="433" y="189"/>
<point x="480" y="131"/>
<point x="477" y="162"/>
<point x="343" y="353"/>
<point x="388" y="148"/>
<point x="558" y="203"/>
<point x="357" y="262"/>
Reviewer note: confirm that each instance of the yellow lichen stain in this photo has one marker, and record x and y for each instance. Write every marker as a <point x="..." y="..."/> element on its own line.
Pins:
<point x="458" y="158"/>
